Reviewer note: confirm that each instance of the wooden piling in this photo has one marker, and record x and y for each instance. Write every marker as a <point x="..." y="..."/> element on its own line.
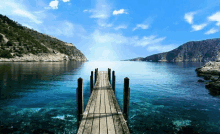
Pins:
<point x="109" y="74"/>
<point x="113" y="81"/>
<point x="126" y="97"/>
<point x="103" y="114"/>
<point x="91" y="82"/>
<point x="96" y="71"/>
<point x="80" y="102"/>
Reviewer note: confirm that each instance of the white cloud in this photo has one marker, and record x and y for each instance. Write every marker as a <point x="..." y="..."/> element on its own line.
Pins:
<point x="115" y="38"/>
<point x="189" y="17"/>
<point x="16" y="9"/>
<point x="54" y="4"/>
<point x="161" y="48"/>
<point x="111" y="38"/>
<point x="102" y="10"/>
<point x="65" y="28"/>
<point x="102" y="23"/>
<point x="27" y="15"/>
<point x="121" y="27"/>
<point x="146" y="40"/>
<point x="198" y="27"/>
<point x="212" y="31"/>
<point x="215" y="17"/>
<point x="121" y="11"/>
<point x="66" y="0"/>
<point x="142" y="26"/>
<point x="86" y="10"/>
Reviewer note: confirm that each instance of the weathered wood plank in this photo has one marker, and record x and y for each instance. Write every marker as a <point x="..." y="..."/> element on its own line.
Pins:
<point x="103" y="125"/>
<point x="82" y="124"/>
<point x="96" y="121"/>
<point x="110" y="122"/>
<point x="89" y="119"/>
<point x="103" y="112"/>
<point x="122" y="120"/>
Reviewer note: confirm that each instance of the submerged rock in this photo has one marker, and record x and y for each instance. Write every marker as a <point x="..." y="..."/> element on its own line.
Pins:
<point x="210" y="71"/>
<point x="213" y="85"/>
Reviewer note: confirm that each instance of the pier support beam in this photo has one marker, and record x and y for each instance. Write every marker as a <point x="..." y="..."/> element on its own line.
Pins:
<point x="91" y="82"/>
<point x="113" y="81"/>
<point x="126" y="97"/>
<point x="109" y="74"/>
<point x="96" y="74"/>
<point x="80" y="102"/>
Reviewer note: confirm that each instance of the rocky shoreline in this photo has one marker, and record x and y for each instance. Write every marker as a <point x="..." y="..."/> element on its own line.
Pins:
<point x="43" y="57"/>
<point x="210" y="71"/>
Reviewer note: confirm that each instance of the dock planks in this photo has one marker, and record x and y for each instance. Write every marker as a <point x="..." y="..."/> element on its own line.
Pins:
<point x="102" y="114"/>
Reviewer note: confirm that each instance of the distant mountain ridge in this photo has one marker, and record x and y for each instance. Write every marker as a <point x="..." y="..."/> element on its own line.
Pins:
<point x="196" y="51"/>
<point x="20" y="43"/>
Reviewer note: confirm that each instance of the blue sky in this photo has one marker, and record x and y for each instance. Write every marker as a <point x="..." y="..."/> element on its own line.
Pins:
<point x="107" y="30"/>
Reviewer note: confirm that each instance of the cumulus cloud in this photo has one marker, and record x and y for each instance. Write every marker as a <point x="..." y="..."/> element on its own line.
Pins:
<point x="120" y="27"/>
<point x="121" y="11"/>
<point x="189" y="17"/>
<point x="215" y="17"/>
<point x="66" y="0"/>
<point x="142" y="26"/>
<point x="54" y="4"/>
<point x="198" y="27"/>
<point x="212" y="31"/>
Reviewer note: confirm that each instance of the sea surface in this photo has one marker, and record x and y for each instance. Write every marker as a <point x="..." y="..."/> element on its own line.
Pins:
<point x="39" y="97"/>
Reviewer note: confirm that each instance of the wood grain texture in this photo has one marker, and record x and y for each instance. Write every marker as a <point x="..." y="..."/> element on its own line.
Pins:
<point x="102" y="114"/>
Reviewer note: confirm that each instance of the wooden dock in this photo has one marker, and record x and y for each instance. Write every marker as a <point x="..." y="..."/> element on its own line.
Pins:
<point x="102" y="114"/>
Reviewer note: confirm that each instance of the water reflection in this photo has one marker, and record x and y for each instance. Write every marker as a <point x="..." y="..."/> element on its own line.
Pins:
<point x="17" y="75"/>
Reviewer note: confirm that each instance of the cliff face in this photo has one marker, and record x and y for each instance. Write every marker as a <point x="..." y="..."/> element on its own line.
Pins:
<point x="20" y="43"/>
<point x="201" y="51"/>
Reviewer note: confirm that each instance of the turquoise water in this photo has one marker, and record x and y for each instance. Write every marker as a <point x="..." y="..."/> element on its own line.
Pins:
<point x="164" y="97"/>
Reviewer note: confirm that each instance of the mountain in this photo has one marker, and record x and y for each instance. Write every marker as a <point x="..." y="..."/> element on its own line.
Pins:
<point x="200" y="51"/>
<point x="19" y="43"/>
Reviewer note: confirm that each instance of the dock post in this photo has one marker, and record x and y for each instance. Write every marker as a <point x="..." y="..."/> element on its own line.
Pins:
<point x="95" y="74"/>
<point x="91" y="82"/>
<point x="113" y="81"/>
<point x="109" y="75"/>
<point x="126" y="97"/>
<point x="80" y="102"/>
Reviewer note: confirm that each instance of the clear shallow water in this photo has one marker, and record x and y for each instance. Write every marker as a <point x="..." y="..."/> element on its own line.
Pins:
<point x="164" y="98"/>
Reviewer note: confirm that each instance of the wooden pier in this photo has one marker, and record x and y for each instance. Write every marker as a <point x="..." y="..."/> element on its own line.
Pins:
<point x="102" y="114"/>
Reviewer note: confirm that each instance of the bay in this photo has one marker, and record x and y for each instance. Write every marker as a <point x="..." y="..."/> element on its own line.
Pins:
<point x="164" y="97"/>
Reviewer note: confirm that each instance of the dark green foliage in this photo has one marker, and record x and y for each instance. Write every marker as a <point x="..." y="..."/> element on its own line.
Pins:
<point x="1" y="38"/>
<point x="18" y="39"/>
<point x="31" y="40"/>
<point x="5" y="54"/>
<point x="9" y="43"/>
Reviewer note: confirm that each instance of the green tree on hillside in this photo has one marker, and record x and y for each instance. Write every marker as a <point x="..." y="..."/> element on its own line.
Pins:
<point x="9" y="43"/>
<point x="1" y="38"/>
<point x="5" y="54"/>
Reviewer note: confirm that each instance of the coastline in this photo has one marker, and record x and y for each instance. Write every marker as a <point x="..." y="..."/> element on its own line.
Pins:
<point x="44" y="57"/>
<point x="210" y="71"/>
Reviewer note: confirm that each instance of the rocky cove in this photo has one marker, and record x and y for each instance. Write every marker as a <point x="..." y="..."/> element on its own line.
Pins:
<point x="44" y="57"/>
<point x="211" y="72"/>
